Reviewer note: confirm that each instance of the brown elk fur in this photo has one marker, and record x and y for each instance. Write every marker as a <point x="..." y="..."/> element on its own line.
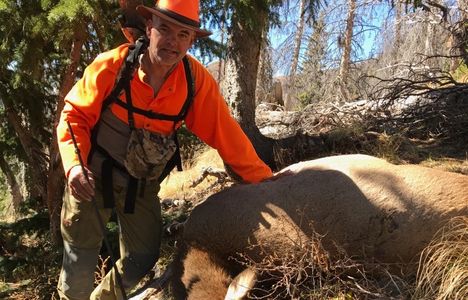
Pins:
<point x="370" y="208"/>
<point x="190" y="283"/>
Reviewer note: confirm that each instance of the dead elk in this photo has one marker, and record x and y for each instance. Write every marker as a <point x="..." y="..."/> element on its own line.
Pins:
<point x="369" y="208"/>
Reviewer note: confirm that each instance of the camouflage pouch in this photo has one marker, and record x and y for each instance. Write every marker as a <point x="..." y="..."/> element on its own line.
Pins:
<point x="148" y="153"/>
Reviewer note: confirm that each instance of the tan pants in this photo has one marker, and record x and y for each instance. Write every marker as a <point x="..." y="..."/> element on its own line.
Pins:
<point x="139" y="239"/>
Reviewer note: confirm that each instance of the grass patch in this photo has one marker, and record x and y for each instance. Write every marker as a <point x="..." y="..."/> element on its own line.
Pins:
<point x="178" y="185"/>
<point x="443" y="272"/>
<point x="447" y="164"/>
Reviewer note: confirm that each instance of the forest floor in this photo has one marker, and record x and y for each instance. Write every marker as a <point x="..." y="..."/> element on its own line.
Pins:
<point x="30" y="262"/>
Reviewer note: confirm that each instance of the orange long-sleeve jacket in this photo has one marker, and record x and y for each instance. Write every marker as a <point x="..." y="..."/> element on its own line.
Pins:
<point x="208" y="116"/>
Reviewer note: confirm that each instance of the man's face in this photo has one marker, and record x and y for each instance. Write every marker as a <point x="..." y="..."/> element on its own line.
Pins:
<point x="168" y="42"/>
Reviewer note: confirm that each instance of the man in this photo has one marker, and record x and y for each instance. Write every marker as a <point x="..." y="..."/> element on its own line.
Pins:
<point x="122" y="139"/>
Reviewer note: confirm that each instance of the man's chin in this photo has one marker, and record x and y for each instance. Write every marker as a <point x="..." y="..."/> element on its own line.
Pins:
<point x="169" y="60"/>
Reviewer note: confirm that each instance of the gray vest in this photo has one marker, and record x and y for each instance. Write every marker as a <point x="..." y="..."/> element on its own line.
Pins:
<point x="112" y="134"/>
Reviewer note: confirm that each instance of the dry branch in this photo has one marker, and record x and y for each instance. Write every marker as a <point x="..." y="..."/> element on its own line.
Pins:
<point x="220" y="174"/>
<point x="418" y="109"/>
<point x="305" y="270"/>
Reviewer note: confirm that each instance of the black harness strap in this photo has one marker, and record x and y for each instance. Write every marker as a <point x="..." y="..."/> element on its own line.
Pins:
<point x="146" y="113"/>
<point x="114" y="98"/>
<point x="190" y="89"/>
<point x="132" y="184"/>
<point x="123" y="83"/>
<point x="127" y="70"/>
<point x="130" y="196"/>
<point x="130" y="107"/>
<point x="176" y="159"/>
<point x="107" y="167"/>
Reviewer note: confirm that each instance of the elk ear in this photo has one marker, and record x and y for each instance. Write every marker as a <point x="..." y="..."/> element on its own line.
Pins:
<point x="241" y="285"/>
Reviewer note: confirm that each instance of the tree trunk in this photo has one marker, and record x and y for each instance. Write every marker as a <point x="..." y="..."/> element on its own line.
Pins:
<point x="346" y="56"/>
<point x="459" y="37"/>
<point x="221" y="66"/>
<point x="398" y="25"/>
<point x="298" y="40"/>
<point x="55" y="179"/>
<point x="429" y="32"/>
<point x="34" y="153"/>
<point x="463" y="9"/>
<point x="291" y="101"/>
<point x="15" y="190"/>
<point x="264" y="86"/>
<point x="240" y="80"/>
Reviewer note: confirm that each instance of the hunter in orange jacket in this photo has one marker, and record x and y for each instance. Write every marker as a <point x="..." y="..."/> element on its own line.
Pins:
<point x="105" y="137"/>
<point x="208" y="117"/>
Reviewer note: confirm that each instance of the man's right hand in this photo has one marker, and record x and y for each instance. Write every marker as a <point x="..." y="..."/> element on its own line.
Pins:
<point x="80" y="187"/>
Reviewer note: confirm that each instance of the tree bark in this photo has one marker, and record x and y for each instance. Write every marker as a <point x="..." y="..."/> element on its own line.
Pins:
<point x="429" y="33"/>
<point x="346" y="56"/>
<point x="298" y="40"/>
<point x="290" y="102"/>
<point x="240" y="81"/>
<point x="221" y="66"/>
<point x="264" y="86"/>
<point x="398" y="26"/>
<point x="15" y="190"/>
<point x="34" y="154"/>
<point x="463" y="9"/>
<point x="459" y="37"/>
<point x="55" y="179"/>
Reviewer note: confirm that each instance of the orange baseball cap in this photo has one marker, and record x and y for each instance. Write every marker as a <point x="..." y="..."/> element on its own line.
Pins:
<point x="184" y="13"/>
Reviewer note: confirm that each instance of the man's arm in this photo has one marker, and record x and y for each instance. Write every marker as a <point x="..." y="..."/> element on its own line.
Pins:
<point x="82" y="110"/>
<point x="209" y="118"/>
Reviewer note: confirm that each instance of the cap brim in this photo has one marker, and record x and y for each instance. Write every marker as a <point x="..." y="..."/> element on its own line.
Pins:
<point x="147" y="13"/>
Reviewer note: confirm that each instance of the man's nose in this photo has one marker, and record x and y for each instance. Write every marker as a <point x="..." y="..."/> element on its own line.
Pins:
<point x="171" y="38"/>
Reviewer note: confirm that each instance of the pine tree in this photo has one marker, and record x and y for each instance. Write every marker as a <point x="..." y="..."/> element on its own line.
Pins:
<point x="43" y="47"/>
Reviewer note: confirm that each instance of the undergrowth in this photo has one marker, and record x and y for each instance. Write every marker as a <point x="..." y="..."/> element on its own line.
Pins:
<point x="443" y="272"/>
<point x="306" y="270"/>
<point x="29" y="262"/>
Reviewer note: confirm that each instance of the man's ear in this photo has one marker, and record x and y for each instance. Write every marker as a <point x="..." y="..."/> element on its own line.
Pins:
<point x="149" y="25"/>
<point x="194" y="37"/>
